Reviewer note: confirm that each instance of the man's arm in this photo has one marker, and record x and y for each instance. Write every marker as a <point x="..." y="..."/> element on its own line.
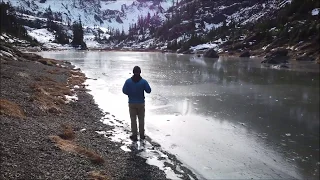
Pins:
<point x="147" y="87"/>
<point x="125" y="89"/>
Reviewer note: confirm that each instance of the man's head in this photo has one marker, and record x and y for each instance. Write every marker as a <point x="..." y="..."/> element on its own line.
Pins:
<point x="136" y="70"/>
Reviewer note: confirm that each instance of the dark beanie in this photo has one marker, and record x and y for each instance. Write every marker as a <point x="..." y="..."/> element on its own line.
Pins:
<point x="136" y="70"/>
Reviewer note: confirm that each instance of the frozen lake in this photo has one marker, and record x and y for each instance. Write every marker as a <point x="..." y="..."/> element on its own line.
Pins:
<point x="226" y="118"/>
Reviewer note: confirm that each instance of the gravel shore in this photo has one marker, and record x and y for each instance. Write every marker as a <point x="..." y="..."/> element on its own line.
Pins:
<point x="43" y="136"/>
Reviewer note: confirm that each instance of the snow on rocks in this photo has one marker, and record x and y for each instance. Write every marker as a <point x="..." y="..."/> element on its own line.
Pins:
<point x="203" y="46"/>
<point x="4" y="53"/>
<point x="10" y="39"/>
<point x="209" y="27"/>
<point x="315" y="12"/>
<point x="71" y="98"/>
<point x="46" y="38"/>
<point x="41" y="35"/>
<point x="90" y="41"/>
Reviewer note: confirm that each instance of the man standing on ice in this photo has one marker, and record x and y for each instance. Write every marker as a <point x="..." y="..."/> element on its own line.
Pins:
<point x="134" y="88"/>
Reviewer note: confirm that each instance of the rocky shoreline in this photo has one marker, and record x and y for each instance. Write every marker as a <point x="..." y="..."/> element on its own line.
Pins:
<point x="48" y="125"/>
<point x="272" y="56"/>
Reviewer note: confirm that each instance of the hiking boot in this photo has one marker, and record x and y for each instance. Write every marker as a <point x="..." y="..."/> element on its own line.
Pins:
<point x="133" y="138"/>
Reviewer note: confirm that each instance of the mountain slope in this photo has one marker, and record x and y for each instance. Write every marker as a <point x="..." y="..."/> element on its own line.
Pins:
<point x="189" y="25"/>
<point x="104" y="13"/>
<point x="235" y="26"/>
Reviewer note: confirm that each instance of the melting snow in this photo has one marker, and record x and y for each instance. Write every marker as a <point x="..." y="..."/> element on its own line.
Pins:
<point x="153" y="156"/>
<point x="71" y="98"/>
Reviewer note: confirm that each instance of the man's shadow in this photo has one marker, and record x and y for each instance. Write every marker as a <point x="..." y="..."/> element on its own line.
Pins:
<point x="137" y="167"/>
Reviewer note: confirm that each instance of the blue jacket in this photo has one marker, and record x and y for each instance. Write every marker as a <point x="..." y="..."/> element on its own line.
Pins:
<point x="134" y="88"/>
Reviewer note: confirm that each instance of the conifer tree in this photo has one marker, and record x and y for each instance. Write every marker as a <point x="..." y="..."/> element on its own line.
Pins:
<point x="78" y="35"/>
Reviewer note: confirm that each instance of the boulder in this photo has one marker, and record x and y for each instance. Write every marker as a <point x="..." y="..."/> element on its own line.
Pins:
<point x="280" y="52"/>
<point x="211" y="53"/>
<point x="245" y="54"/>
<point x="278" y="56"/>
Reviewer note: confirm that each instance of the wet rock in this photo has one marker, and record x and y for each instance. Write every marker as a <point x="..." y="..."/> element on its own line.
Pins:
<point x="245" y="54"/>
<point x="211" y="53"/>
<point x="305" y="58"/>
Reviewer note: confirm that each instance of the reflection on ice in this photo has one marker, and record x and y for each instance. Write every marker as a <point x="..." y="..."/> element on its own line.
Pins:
<point x="226" y="148"/>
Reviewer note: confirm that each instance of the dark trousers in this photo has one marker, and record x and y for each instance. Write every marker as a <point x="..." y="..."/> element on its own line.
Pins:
<point x="137" y="110"/>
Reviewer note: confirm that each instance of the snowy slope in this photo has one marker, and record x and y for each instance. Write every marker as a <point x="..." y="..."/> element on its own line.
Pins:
<point x="108" y="14"/>
<point x="202" y="16"/>
<point x="213" y="13"/>
<point x="120" y="14"/>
